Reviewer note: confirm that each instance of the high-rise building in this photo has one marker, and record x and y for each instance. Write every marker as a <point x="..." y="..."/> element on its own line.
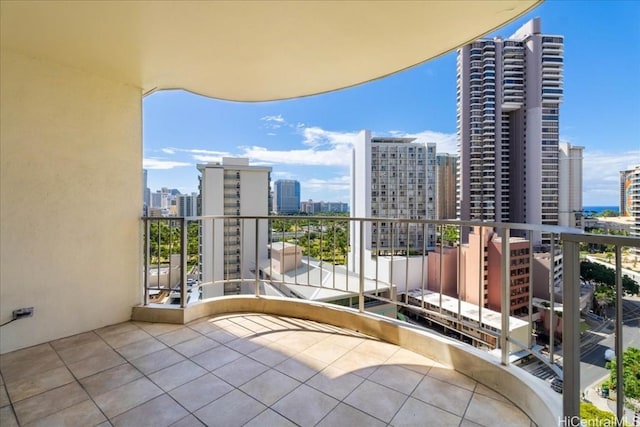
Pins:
<point x="228" y="247"/>
<point x="187" y="204"/>
<point x="631" y="189"/>
<point x="311" y="207"/>
<point x="508" y="97"/>
<point x="146" y="194"/>
<point x="487" y="246"/>
<point x="627" y="196"/>
<point x="392" y="178"/>
<point x="446" y="166"/>
<point x="286" y="194"/>
<point x="478" y="280"/>
<point x="570" y="185"/>
<point x="160" y="200"/>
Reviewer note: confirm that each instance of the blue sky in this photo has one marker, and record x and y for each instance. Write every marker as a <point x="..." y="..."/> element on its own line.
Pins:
<point x="309" y="139"/>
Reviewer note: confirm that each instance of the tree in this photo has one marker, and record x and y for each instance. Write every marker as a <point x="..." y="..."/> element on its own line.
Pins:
<point x="328" y="242"/>
<point x="608" y="213"/>
<point x="591" y="415"/>
<point x="450" y="234"/>
<point x="631" y="372"/>
<point x="603" y="296"/>
<point x="164" y="239"/>
<point x="606" y="276"/>
<point x="630" y="286"/>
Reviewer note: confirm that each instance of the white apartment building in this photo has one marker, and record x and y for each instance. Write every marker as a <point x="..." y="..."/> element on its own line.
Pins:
<point x="160" y="199"/>
<point x="392" y="178"/>
<point x="508" y="97"/>
<point x="228" y="246"/>
<point x="570" y="185"/>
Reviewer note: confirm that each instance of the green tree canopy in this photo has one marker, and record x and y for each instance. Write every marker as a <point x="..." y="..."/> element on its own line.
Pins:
<point x="607" y="276"/>
<point x="608" y="213"/>
<point x="631" y="372"/>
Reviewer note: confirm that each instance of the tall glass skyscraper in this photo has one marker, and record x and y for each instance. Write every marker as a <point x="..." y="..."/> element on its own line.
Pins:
<point x="286" y="193"/>
<point x="508" y="97"/>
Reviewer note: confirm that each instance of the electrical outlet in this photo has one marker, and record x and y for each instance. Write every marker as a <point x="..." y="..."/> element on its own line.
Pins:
<point x="22" y="312"/>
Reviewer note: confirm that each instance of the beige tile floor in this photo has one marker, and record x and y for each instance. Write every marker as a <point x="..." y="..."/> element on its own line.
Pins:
<point x="251" y="369"/>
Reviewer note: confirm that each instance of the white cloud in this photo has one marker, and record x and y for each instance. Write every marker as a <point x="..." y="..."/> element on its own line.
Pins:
<point x="209" y="152"/>
<point x="172" y="150"/>
<point x="207" y="159"/>
<point x="273" y="122"/>
<point x="316" y="137"/>
<point x="277" y="118"/>
<point x="338" y="156"/>
<point x="339" y="183"/>
<point x="601" y="176"/>
<point x="162" y="164"/>
<point x="333" y="148"/>
<point x="282" y="175"/>
<point x="445" y="142"/>
<point x="198" y="154"/>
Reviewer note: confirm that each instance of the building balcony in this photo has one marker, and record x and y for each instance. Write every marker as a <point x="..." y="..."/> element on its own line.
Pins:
<point x="236" y="369"/>
<point x="315" y="283"/>
<point x="80" y="265"/>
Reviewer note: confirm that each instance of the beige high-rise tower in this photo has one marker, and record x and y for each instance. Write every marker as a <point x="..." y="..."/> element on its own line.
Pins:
<point x="509" y="94"/>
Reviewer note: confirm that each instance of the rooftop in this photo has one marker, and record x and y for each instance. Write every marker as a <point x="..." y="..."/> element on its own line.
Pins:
<point x="323" y="281"/>
<point x="490" y="318"/>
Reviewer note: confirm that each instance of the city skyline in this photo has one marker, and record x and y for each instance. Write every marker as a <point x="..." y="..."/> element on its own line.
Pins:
<point x="310" y="139"/>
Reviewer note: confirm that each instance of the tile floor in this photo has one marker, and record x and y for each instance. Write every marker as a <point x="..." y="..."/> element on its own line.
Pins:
<point x="251" y="369"/>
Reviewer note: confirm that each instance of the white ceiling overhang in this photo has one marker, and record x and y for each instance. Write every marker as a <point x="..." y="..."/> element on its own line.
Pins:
<point x="248" y="50"/>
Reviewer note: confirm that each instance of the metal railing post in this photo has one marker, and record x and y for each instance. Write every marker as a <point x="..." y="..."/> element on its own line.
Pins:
<point x="361" y="268"/>
<point x="481" y="281"/>
<point x="505" y="300"/>
<point x="183" y="265"/>
<point x="571" y="331"/>
<point x="552" y="310"/>
<point x="257" y="268"/>
<point x="159" y="250"/>
<point x="530" y="292"/>
<point x="618" y="337"/>
<point x="147" y="259"/>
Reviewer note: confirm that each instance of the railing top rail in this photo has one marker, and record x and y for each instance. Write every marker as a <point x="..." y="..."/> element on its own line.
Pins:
<point x="606" y="239"/>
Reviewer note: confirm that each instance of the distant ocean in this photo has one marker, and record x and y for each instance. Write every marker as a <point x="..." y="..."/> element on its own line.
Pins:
<point x="598" y="209"/>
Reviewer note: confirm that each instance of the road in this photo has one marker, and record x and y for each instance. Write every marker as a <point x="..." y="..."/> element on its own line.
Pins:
<point x="596" y="341"/>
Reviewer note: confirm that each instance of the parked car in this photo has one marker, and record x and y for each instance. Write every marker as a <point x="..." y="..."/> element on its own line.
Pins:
<point x="556" y="384"/>
<point x="609" y="355"/>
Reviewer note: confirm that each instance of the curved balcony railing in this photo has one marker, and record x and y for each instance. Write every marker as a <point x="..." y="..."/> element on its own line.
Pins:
<point x="383" y="267"/>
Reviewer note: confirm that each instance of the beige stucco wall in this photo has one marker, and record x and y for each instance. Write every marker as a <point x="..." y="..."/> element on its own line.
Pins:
<point x="70" y="200"/>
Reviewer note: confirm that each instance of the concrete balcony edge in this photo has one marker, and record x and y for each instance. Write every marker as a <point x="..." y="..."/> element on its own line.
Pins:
<point x="532" y="395"/>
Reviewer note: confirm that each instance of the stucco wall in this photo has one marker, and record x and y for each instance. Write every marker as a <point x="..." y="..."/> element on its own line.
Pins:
<point x="70" y="200"/>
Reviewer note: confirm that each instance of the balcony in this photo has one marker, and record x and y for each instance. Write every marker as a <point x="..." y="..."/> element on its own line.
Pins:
<point x="201" y="359"/>
<point x="80" y="263"/>
<point x="315" y="282"/>
<point x="254" y="368"/>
